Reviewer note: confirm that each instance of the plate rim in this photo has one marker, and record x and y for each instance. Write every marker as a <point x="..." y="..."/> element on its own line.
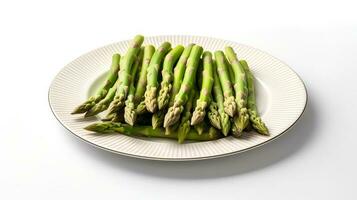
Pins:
<point x="192" y="158"/>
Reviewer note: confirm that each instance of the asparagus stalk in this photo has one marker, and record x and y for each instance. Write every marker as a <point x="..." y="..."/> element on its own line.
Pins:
<point x="148" y="131"/>
<point x="174" y="112"/>
<point x="166" y="86"/>
<point x="152" y="76"/>
<point x="124" y="74"/>
<point x="115" y="117"/>
<point x="230" y="70"/>
<point x="129" y="111"/>
<point x="158" y="118"/>
<point x="167" y="76"/>
<point x="141" y="84"/>
<point x="213" y="115"/>
<point x="102" y="92"/>
<point x="104" y="103"/>
<point x="230" y="106"/>
<point x="179" y="72"/>
<point x="141" y="108"/>
<point x="184" y="127"/>
<point x="218" y="97"/>
<point x="206" y="88"/>
<point x="255" y="119"/>
<point x="241" y="90"/>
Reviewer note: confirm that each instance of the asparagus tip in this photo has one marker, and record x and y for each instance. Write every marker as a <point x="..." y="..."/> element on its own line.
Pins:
<point x="83" y="108"/>
<point x="230" y="106"/>
<point x="129" y="115"/>
<point x="164" y="96"/>
<point x="225" y="124"/>
<point x="172" y="115"/>
<point x="93" y="127"/>
<point x="197" y="117"/>
<point x="95" y="110"/>
<point x="150" y="99"/>
<point x="261" y="128"/>
<point x="116" y="104"/>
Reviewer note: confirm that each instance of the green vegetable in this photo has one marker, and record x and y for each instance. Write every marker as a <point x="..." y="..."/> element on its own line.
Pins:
<point x="218" y="97"/>
<point x="141" y="108"/>
<point x="213" y="115"/>
<point x="158" y="118"/>
<point x="129" y="111"/>
<point x="141" y="84"/>
<point x="125" y="74"/>
<point x="255" y="119"/>
<point x="206" y="88"/>
<point x="102" y="92"/>
<point x="230" y="106"/>
<point x="184" y="127"/>
<point x="241" y="90"/>
<point x="174" y="112"/>
<point x="179" y="72"/>
<point x="152" y="76"/>
<point x="115" y="117"/>
<point x="167" y="76"/>
<point x="148" y="131"/>
<point x="104" y="103"/>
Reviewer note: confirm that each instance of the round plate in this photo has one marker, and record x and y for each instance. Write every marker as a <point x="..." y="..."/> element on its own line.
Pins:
<point x="281" y="99"/>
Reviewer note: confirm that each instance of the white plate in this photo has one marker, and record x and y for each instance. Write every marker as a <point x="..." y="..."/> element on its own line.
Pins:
<point x="281" y="100"/>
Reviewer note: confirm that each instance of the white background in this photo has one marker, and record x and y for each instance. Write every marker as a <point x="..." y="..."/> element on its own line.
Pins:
<point x="39" y="159"/>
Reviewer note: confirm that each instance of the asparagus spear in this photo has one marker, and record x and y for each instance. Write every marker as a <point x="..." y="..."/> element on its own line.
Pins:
<point x="174" y="112"/>
<point x="102" y="92"/>
<point x="141" y="108"/>
<point x="104" y="103"/>
<point x="152" y="76"/>
<point x="158" y="118"/>
<point x="206" y="88"/>
<point x="179" y="72"/>
<point x="141" y="84"/>
<point x="167" y="76"/>
<point x="218" y="97"/>
<point x="129" y="111"/>
<point x="115" y="117"/>
<point x="124" y="74"/>
<point x="241" y="90"/>
<point x="255" y="119"/>
<point x="200" y="127"/>
<point x="199" y="78"/>
<point x="184" y="126"/>
<point x="230" y="106"/>
<point x="235" y="119"/>
<point x="148" y="131"/>
<point x="230" y="70"/>
<point x="213" y="115"/>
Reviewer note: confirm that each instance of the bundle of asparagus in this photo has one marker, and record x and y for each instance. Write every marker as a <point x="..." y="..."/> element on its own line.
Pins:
<point x="197" y="96"/>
